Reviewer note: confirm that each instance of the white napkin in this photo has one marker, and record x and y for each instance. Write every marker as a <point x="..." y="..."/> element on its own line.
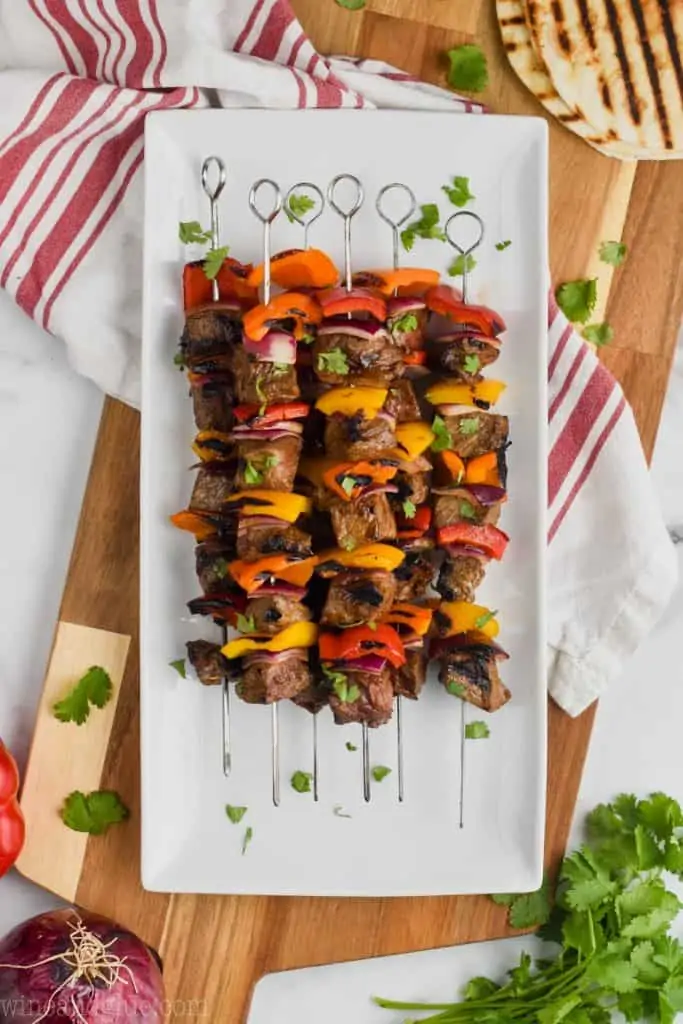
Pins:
<point x="76" y="80"/>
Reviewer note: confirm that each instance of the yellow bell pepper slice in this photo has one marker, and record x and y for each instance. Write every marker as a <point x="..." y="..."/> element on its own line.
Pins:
<point x="221" y="449"/>
<point x="350" y="401"/>
<point x="466" y="617"/>
<point x="301" y="634"/>
<point x="280" y="504"/>
<point x="367" y="556"/>
<point x="413" y="439"/>
<point x="452" y="392"/>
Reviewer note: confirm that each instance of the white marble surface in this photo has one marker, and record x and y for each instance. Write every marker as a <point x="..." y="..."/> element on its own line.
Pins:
<point x="48" y="422"/>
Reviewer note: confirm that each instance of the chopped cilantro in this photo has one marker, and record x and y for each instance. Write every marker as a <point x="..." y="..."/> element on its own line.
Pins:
<point x="477" y="731"/>
<point x="613" y="253"/>
<point x="469" y="426"/>
<point x="213" y="261"/>
<point x="301" y="781"/>
<point x="577" y="299"/>
<point x="457" y="689"/>
<point x="191" y="232"/>
<point x="467" y="510"/>
<point x="442" y="438"/>
<point x="461" y="265"/>
<point x="347" y="485"/>
<point x="251" y="474"/>
<point x="348" y="544"/>
<point x="248" y="836"/>
<point x="179" y="666"/>
<point x="351" y="5"/>
<point x="404" y="324"/>
<point x="180" y="360"/>
<point x="380" y="771"/>
<point x="280" y="368"/>
<point x="246" y="623"/>
<point x="258" y="388"/>
<point x="468" y="71"/>
<point x="409" y="509"/>
<point x="93" y="812"/>
<point x="426" y="227"/>
<point x="527" y="910"/>
<point x="471" y="364"/>
<point x="298" y="206"/>
<point x="334" y="361"/>
<point x="351" y="746"/>
<point x="598" y="334"/>
<point x="94" y="688"/>
<point x="459" y="192"/>
<point x="220" y="568"/>
<point x="235" y="814"/>
<point x="484" y="619"/>
<point x="501" y="246"/>
<point x="347" y="694"/>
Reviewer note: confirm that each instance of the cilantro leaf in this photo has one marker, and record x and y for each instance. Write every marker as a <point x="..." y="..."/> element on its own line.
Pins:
<point x="577" y="299"/>
<point x="501" y="246"/>
<point x="613" y="253"/>
<point x="351" y="5"/>
<point x="426" y="227"/>
<point x="468" y="69"/>
<point x="484" y="619"/>
<point x="235" y="814"/>
<point x="298" y="206"/>
<point x="180" y="360"/>
<point x="479" y="988"/>
<point x="380" y="771"/>
<point x="471" y="364"/>
<point x="334" y="361"/>
<point x="246" y="623"/>
<point x="301" y="781"/>
<point x="477" y="731"/>
<point x="457" y="689"/>
<point x="248" y="836"/>
<point x="442" y="438"/>
<point x="598" y="334"/>
<point x="347" y="543"/>
<point x="467" y="510"/>
<point x="351" y="746"/>
<point x="409" y="509"/>
<point x="468" y="426"/>
<point x="191" y="232"/>
<point x="213" y="261"/>
<point x="346" y="694"/>
<point x="459" y="192"/>
<point x="93" y="812"/>
<point x="347" y="485"/>
<point x="95" y="687"/>
<point x="251" y="474"/>
<point x="179" y="666"/>
<point x="404" y="324"/>
<point x="461" y="265"/>
<point x="532" y="909"/>
<point x="661" y="814"/>
<point x="339" y="812"/>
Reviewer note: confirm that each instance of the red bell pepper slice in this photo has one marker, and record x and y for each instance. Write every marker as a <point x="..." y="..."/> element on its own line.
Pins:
<point x="337" y="301"/>
<point x="358" y="641"/>
<point x="418" y="357"/>
<point x="12" y="828"/>
<point x="232" y="284"/>
<point x="272" y="414"/>
<point x="447" y="301"/>
<point x="419" y="523"/>
<point x="489" y="539"/>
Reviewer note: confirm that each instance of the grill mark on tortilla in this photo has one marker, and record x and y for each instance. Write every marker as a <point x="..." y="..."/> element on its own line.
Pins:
<point x="622" y="57"/>
<point x="670" y="33"/>
<point x="517" y="19"/>
<point x="589" y="32"/>
<point x="652" y="73"/>
<point x="606" y="96"/>
<point x="562" y="37"/>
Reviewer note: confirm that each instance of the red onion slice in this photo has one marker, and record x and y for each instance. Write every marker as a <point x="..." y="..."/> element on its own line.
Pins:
<point x="368" y="329"/>
<point x="400" y="305"/>
<point x="380" y="489"/>
<point x="465" y="550"/>
<point x="276" y="347"/>
<point x="486" y="494"/>
<point x="370" y="663"/>
<point x="280" y="589"/>
<point x="275" y="657"/>
<point x="443" y="339"/>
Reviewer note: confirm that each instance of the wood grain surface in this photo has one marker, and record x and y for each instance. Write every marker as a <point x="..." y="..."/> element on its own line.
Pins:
<point x="214" y="949"/>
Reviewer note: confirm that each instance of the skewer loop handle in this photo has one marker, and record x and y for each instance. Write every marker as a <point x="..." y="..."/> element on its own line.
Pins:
<point x="458" y="248"/>
<point x="276" y="204"/>
<point x="380" y="204"/>
<point x="357" y="203"/>
<point x="213" y="191"/>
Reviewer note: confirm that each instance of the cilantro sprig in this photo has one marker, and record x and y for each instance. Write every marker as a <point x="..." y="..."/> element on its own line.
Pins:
<point x="468" y="70"/>
<point x="613" y="253"/>
<point x="610" y="922"/>
<point x="94" y="689"/>
<point x="462" y="265"/>
<point x="94" y="812"/>
<point x="427" y="226"/>
<point x="298" y="205"/>
<point x="577" y="299"/>
<point x="459" y="192"/>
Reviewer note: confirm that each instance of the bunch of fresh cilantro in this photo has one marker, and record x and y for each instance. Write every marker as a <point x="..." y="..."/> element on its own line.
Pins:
<point x="611" y="920"/>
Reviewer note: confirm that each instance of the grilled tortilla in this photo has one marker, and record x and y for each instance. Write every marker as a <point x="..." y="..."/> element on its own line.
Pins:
<point x="618" y="64"/>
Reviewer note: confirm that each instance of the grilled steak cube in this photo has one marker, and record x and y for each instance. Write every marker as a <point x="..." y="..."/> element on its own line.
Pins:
<point x="413" y="576"/>
<point x="363" y="521"/>
<point x="268" y="464"/>
<point x="376" y="360"/>
<point x="402" y="403"/>
<point x="213" y="400"/>
<point x="265" y="681"/>
<point x="463" y="356"/>
<point x="212" y="487"/>
<point x="411" y="487"/>
<point x="358" y="596"/>
<point x="261" y="383"/>
<point x="475" y="669"/>
<point x="459" y="577"/>
<point x="460" y="506"/>
<point x="207" y="661"/>
<point x="475" y="433"/>
<point x="210" y="331"/>
<point x="374" y="703"/>
<point x="410" y="678"/>
<point x="212" y="558"/>
<point x="409" y="334"/>
<point x="258" y="536"/>
<point x="313" y="699"/>
<point x="275" y="612"/>
<point x="356" y="437"/>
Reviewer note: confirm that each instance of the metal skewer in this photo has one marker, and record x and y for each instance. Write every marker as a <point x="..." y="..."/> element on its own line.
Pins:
<point x="347" y="214"/>
<point x="305" y="221"/>
<point x="395" y="225"/>
<point x="267" y="220"/>
<point x="212" y="193"/>
<point x="465" y="254"/>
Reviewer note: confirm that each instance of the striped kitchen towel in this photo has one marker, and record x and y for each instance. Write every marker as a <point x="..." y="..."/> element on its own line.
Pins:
<point x="77" y="78"/>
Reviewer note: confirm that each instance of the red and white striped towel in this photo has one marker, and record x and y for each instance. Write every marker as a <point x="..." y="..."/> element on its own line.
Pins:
<point x="77" y="78"/>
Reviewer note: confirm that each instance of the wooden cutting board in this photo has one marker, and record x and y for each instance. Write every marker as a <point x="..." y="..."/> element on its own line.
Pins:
<point x="215" y="948"/>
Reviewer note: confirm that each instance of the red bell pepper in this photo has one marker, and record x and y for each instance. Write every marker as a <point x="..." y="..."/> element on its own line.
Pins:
<point x="337" y="301"/>
<point x="272" y="414"/>
<point x="417" y="524"/>
<point x="447" y="301"/>
<point x="489" y="539"/>
<point x="358" y="641"/>
<point x="417" y="357"/>
<point x="12" y="827"/>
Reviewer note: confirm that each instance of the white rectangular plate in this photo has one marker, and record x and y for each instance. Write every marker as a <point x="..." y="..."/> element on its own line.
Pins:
<point x="301" y="847"/>
<point x="342" y="993"/>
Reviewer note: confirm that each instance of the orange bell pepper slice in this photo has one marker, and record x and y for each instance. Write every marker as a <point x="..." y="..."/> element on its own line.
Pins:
<point x="455" y="466"/>
<point x="194" y="522"/>
<point x="418" y="357"/>
<point x="337" y="302"/>
<point x="409" y="281"/>
<point x="232" y="284"/>
<point x="482" y="470"/>
<point x="416" y="617"/>
<point x="246" y="574"/>
<point x="297" y="306"/>
<point x="298" y="268"/>
<point x="334" y="478"/>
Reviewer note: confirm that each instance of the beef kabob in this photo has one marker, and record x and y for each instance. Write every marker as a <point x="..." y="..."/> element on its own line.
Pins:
<point x="471" y="474"/>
